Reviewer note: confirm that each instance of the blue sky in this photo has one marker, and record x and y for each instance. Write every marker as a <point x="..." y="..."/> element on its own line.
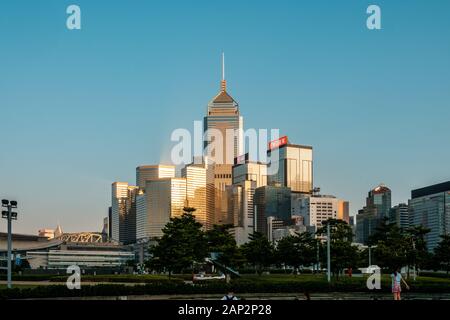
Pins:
<point x="81" y="109"/>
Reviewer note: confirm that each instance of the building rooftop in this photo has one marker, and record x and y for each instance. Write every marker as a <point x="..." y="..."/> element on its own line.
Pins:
<point x="436" y="188"/>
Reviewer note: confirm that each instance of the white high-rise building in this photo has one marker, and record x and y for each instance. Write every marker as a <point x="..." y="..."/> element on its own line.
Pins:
<point x="317" y="208"/>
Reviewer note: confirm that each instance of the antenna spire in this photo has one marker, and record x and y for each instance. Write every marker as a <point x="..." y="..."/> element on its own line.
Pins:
<point x="223" y="83"/>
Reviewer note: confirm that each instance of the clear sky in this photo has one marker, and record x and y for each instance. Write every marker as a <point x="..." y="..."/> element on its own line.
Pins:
<point x="80" y="109"/>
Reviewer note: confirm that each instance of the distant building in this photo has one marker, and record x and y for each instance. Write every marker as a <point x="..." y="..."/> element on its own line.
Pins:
<point x="84" y="249"/>
<point x="378" y="205"/>
<point x="272" y="201"/>
<point x="247" y="176"/>
<point x="163" y="199"/>
<point x="222" y="115"/>
<point x="295" y="165"/>
<point x="318" y="208"/>
<point x="399" y="215"/>
<point x="430" y="208"/>
<point x="48" y="233"/>
<point x="105" y="230"/>
<point x="152" y="172"/>
<point x="200" y="191"/>
<point x="123" y="203"/>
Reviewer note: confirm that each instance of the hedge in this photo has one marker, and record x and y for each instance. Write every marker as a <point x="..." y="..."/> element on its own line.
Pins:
<point x="240" y="286"/>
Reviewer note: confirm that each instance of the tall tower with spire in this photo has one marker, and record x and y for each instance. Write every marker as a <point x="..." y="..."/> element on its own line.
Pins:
<point x="223" y="117"/>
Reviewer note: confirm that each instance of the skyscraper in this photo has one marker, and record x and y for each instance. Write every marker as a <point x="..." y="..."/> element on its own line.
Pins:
<point x="295" y="165"/>
<point x="200" y="192"/>
<point x="163" y="199"/>
<point x="430" y="208"/>
<point x="247" y="176"/>
<point x="400" y="215"/>
<point x="378" y="205"/>
<point x="150" y="172"/>
<point x="223" y="129"/>
<point x="123" y="203"/>
<point x="272" y="201"/>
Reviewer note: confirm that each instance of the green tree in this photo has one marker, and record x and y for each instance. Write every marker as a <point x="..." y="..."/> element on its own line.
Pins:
<point x="259" y="251"/>
<point x="222" y="242"/>
<point x="392" y="247"/>
<point x="417" y="252"/>
<point x="296" y="251"/>
<point x="442" y="253"/>
<point x="342" y="253"/>
<point x="183" y="243"/>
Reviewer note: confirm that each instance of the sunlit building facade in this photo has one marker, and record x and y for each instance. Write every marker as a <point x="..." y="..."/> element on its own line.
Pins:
<point x="151" y="172"/>
<point x="318" y="208"/>
<point x="164" y="199"/>
<point x="200" y="192"/>
<point x="247" y="176"/>
<point x="221" y="147"/>
<point x="295" y="167"/>
<point x="123" y="212"/>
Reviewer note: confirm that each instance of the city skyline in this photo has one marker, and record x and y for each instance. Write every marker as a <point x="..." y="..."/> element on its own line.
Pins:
<point x="61" y="152"/>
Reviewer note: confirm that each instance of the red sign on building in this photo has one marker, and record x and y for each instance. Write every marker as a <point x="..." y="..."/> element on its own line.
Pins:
<point x="278" y="143"/>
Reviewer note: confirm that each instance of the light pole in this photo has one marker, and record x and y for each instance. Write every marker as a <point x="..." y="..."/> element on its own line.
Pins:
<point x="9" y="215"/>
<point x="414" y="252"/>
<point x="328" y="253"/>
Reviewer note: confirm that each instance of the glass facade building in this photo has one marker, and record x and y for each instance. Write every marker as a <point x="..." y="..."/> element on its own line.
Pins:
<point x="123" y="212"/>
<point x="272" y="201"/>
<point x="222" y="115"/>
<point x="295" y="168"/>
<point x="378" y="205"/>
<point x="151" y="172"/>
<point x="430" y="208"/>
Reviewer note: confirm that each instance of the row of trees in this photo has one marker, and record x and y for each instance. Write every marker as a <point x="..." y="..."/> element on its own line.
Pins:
<point x="184" y="243"/>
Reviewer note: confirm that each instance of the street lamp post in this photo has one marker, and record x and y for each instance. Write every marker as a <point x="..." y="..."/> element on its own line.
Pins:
<point x="328" y="253"/>
<point x="9" y="215"/>
<point x="370" y="256"/>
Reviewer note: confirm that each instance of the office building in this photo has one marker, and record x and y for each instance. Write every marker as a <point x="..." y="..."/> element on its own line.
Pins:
<point x="247" y="176"/>
<point x="272" y="201"/>
<point x="123" y="222"/>
<point x="200" y="191"/>
<point x="378" y="205"/>
<point x="151" y="172"/>
<point x="430" y="208"/>
<point x="163" y="199"/>
<point x="318" y="208"/>
<point x="295" y="165"/>
<point x="222" y="115"/>
<point x="399" y="215"/>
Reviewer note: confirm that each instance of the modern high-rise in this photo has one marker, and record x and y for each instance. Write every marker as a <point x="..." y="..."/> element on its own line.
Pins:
<point x="151" y="172"/>
<point x="200" y="191"/>
<point x="378" y="205"/>
<point x="295" y="165"/>
<point x="223" y="130"/>
<point x="399" y="215"/>
<point x="123" y="215"/>
<point x="430" y="208"/>
<point x="247" y="176"/>
<point x="163" y="199"/>
<point x="272" y="201"/>
<point x="318" y="208"/>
